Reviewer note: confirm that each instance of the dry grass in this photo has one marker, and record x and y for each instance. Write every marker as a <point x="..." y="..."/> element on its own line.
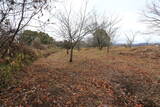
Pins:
<point x="122" y="78"/>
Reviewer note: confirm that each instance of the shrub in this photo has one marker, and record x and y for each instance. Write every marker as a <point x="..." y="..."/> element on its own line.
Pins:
<point x="5" y="76"/>
<point x="18" y="56"/>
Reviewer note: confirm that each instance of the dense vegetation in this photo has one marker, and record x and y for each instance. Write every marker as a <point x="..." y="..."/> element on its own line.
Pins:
<point x="23" y="52"/>
<point x="28" y="37"/>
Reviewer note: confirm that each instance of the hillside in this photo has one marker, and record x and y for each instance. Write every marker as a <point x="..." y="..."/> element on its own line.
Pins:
<point x="123" y="78"/>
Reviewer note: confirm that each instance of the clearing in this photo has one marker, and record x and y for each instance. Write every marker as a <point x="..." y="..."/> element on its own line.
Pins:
<point x="122" y="78"/>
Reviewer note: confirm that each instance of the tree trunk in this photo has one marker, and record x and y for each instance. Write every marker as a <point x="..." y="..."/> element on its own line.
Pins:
<point x="100" y="47"/>
<point x="78" y="48"/>
<point x="67" y="51"/>
<point x="108" y="49"/>
<point x="71" y="55"/>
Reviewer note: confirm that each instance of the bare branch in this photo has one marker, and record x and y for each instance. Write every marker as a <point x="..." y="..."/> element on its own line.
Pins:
<point x="14" y="16"/>
<point x="152" y="16"/>
<point x="130" y="38"/>
<point x="73" y="26"/>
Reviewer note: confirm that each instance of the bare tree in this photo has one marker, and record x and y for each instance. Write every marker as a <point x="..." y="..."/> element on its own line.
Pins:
<point x="152" y="16"/>
<point x="101" y="39"/>
<point x="14" y="16"/>
<point x="130" y="38"/>
<point x="108" y="24"/>
<point x="73" y="26"/>
<point x="66" y="45"/>
<point x="112" y="27"/>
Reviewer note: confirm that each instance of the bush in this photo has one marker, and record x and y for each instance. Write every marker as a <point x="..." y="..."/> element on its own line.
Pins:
<point x="28" y="37"/>
<point x="5" y="76"/>
<point x="5" y="79"/>
<point x="17" y="57"/>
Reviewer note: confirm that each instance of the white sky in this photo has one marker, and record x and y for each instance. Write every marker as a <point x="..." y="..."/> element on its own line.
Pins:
<point x="128" y="10"/>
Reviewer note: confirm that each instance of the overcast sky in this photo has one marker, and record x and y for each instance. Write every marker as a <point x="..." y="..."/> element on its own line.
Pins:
<point x="128" y="10"/>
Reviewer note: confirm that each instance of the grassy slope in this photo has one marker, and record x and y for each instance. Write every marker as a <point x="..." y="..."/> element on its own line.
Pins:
<point x="95" y="78"/>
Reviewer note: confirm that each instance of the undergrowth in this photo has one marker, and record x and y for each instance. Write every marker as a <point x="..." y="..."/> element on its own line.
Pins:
<point x="13" y="64"/>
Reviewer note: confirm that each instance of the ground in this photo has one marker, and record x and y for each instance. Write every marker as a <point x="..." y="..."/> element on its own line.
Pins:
<point x="122" y="78"/>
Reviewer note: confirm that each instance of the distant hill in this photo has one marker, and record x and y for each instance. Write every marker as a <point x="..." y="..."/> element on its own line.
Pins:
<point x="137" y="44"/>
